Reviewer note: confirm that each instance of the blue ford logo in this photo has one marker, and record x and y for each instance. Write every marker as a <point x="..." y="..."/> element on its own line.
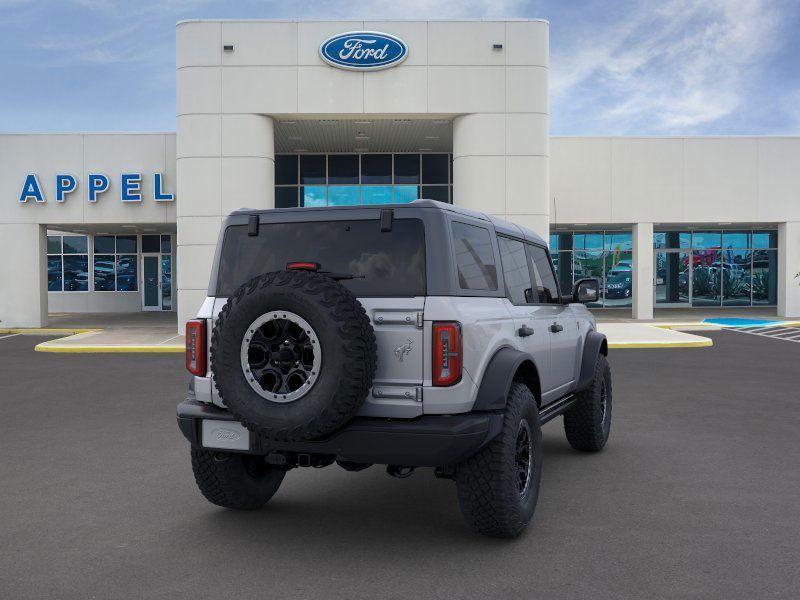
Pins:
<point x="363" y="50"/>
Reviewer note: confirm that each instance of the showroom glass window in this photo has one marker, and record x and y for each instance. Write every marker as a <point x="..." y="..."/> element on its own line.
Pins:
<point x="67" y="263"/>
<point x="115" y="264"/>
<point x="606" y="255"/>
<point x="716" y="267"/>
<point x="361" y="179"/>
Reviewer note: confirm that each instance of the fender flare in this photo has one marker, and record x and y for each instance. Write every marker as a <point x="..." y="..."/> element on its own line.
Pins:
<point x="498" y="377"/>
<point x="594" y="345"/>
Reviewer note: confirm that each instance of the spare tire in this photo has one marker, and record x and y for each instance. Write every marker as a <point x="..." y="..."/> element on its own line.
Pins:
<point x="293" y="355"/>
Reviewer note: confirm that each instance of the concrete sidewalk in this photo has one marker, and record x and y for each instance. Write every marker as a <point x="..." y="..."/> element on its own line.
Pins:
<point x="109" y="332"/>
<point x="130" y="339"/>
<point x="643" y="335"/>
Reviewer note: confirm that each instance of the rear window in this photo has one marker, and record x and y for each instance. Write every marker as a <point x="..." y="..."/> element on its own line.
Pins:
<point x="390" y="263"/>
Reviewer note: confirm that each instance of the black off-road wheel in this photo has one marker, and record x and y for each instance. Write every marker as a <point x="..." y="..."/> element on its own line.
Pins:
<point x="588" y="423"/>
<point x="293" y="355"/>
<point x="499" y="486"/>
<point x="238" y="481"/>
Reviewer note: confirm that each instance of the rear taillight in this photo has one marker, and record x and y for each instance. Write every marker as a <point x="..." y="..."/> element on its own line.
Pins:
<point x="196" y="347"/>
<point x="447" y="353"/>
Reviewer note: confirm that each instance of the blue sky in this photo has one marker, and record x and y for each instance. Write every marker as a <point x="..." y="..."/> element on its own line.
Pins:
<point x="617" y="68"/>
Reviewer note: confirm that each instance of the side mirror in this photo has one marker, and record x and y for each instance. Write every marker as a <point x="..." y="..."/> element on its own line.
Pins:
<point x="586" y="290"/>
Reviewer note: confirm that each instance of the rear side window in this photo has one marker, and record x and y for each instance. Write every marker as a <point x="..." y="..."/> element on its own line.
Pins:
<point x="474" y="257"/>
<point x="515" y="271"/>
<point x="390" y="263"/>
<point x="546" y="287"/>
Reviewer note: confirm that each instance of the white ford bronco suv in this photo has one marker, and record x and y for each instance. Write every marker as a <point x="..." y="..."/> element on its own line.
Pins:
<point x="414" y="335"/>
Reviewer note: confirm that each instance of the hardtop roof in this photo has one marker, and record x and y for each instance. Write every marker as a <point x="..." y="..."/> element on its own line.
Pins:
<point x="500" y="225"/>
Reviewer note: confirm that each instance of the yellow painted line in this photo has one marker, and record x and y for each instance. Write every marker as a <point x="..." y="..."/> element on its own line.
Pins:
<point x="704" y="343"/>
<point x="100" y="349"/>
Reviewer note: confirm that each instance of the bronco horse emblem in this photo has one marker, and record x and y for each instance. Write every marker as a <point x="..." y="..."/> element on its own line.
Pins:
<point x="402" y="351"/>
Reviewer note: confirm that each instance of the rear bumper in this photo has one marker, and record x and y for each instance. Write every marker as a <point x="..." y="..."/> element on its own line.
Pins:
<point x="427" y="441"/>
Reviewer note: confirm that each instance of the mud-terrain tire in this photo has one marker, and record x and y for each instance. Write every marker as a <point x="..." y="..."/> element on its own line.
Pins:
<point x="488" y="483"/>
<point x="342" y="335"/>
<point x="239" y="481"/>
<point x="588" y="423"/>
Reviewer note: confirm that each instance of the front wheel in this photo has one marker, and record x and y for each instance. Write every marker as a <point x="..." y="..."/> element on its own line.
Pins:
<point x="588" y="423"/>
<point x="239" y="481"/>
<point x="498" y="487"/>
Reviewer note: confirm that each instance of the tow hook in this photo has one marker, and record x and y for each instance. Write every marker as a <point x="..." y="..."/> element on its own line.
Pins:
<point x="399" y="471"/>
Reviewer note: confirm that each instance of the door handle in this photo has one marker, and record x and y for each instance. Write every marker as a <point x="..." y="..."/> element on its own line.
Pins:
<point x="556" y="327"/>
<point x="524" y="331"/>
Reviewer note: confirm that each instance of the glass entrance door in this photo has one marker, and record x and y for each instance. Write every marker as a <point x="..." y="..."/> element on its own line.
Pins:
<point x="151" y="276"/>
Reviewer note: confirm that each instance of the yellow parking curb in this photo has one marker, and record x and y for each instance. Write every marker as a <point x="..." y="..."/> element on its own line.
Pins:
<point x="704" y="343"/>
<point x="74" y="349"/>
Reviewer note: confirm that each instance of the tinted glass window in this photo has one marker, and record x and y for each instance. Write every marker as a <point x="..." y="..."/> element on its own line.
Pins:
<point x="706" y="239"/>
<point x="376" y="168"/>
<point x="474" y="257"/>
<point x="406" y="168"/>
<point x="435" y="192"/>
<point x="343" y="195"/>
<point x="672" y="239"/>
<point x="405" y="193"/>
<point x="54" y="244"/>
<point x="166" y="244"/>
<point x="343" y="168"/>
<point x="54" y="280"/>
<point x="618" y="241"/>
<point x="515" y="271"/>
<point x="104" y="244"/>
<point x="765" y="239"/>
<point x="312" y="168"/>
<point x="546" y="287"/>
<point x="588" y="241"/>
<point x="76" y="273"/>
<point x="314" y="195"/>
<point x="151" y="243"/>
<point x="286" y="169"/>
<point x="736" y="239"/>
<point x="126" y="244"/>
<point x="75" y="244"/>
<point x="384" y="263"/>
<point x="104" y="272"/>
<point x="285" y="197"/>
<point x="126" y="274"/>
<point x="434" y="168"/>
<point x="376" y="194"/>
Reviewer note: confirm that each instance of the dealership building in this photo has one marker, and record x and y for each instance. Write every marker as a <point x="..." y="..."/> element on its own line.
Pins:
<point x="286" y="113"/>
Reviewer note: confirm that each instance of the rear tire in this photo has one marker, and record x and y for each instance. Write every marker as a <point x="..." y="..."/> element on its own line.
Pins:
<point x="493" y="497"/>
<point x="588" y="423"/>
<point x="238" y="481"/>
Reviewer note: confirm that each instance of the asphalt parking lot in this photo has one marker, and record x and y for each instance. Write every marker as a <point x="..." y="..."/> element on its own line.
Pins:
<point x="696" y="495"/>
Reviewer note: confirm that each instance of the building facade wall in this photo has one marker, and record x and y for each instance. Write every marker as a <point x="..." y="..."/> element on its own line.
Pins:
<point x="684" y="182"/>
<point x="22" y="254"/>
<point x="489" y="76"/>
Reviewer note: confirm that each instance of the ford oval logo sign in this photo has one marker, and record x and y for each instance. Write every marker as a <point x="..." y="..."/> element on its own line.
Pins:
<point x="363" y="51"/>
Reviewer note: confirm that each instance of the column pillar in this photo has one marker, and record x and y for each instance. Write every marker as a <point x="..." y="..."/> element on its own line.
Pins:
<point x="225" y="162"/>
<point x="642" y="276"/>
<point x="23" y="269"/>
<point x="500" y="167"/>
<point x="788" y="267"/>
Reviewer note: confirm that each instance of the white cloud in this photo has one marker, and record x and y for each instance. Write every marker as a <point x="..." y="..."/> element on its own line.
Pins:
<point x="669" y="69"/>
